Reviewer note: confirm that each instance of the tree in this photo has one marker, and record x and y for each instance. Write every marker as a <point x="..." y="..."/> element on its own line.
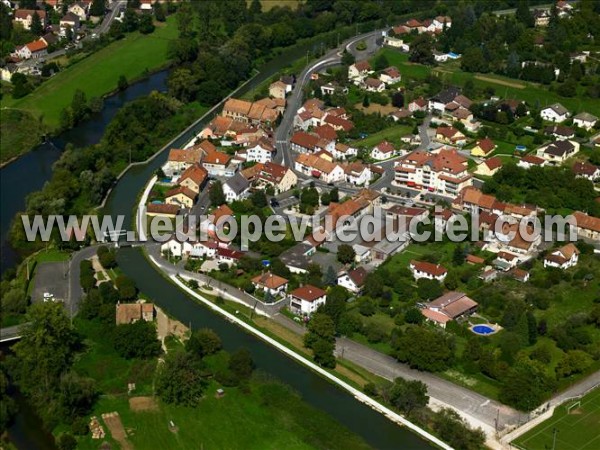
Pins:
<point x="180" y="381"/>
<point x="7" y="403"/>
<point x="79" y="106"/>
<point x="347" y="58"/>
<point x="330" y="277"/>
<point x="526" y="385"/>
<point x="182" y="84"/>
<point x="216" y="194"/>
<point x="421" y="50"/>
<point x="241" y="364"/>
<point x="323" y="353"/>
<point x="408" y="395"/>
<point x="136" y="340"/>
<point x="413" y="315"/>
<point x="97" y="8"/>
<point x="336" y="304"/>
<point x="523" y="14"/>
<point x="255" y="8"/>
<point x="346" y="254"/>
<point x="381" y="62"/>
<point x="320" y="326"/>
<point x="473" y="60"/>
<point x="398" y="99"/>
<point x="122" y="84"/>
<point x="425" y="349"/>
<point x="20" y="84"/>
<point x="203" y="342"/>
<point x="366" y="102"/>
<point x="76" y="396"/>
<point x="258" y="199"/>
<point x="146" y="25"/>
<point x="428" y="289"/>
<point x="126" y="287"/>
<point x="36" y="26"/>
<point x="45" y="351"/>
<point x="574" y="361"/>
<point x="159" y="12"/>
<point x="66" y="441"/>
<point x="106" y="257"/>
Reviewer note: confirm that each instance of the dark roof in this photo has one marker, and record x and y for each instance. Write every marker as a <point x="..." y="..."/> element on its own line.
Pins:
<point x="559" y="148"/>
<point x="447" y="96"/>
<point x="358" y="275"/>
<point x="237" y="183"/>
<point x="295" y="256"/>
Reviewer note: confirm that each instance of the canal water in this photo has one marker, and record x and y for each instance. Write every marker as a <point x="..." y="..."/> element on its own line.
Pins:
<point x="30" y="172"/>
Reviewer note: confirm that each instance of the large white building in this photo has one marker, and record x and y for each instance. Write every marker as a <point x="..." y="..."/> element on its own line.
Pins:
<point x="444" y="173"/>
<point x="307" y="299"/>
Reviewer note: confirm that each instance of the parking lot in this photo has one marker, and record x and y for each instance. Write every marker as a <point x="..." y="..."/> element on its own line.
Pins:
<point x="50" y="277"/>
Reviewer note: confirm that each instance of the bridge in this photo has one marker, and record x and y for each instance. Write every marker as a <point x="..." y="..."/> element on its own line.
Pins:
<point x="11" y="333"/>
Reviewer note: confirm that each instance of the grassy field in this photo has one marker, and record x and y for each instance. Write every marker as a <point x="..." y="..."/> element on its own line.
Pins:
<point x="268" y="415"/>
<point x="574" y="430"/>
<point x="19" y="130"/>
<point x="505" y="87"/>
<point x="391" y="134"/>
<point x="98" y="74"/>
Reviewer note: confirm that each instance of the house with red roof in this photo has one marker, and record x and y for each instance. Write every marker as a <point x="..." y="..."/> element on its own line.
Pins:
<point x="483" y="148"/>
<point x="307" y="299"/>
<point x="418" y="104"/>
<point x="193" y="178"/>
<point x="269" y="282"/>
<point x="562" y="258"/>
<point x="391" y="75"/>
<point x="424" y="269"/>
<point x="383" y="150"/>
<point x="353" y="280"/>
<point x="489" y="167"/>
<point x="25" y="17"/>
<point x="358" y="71"/>
<point x="583" y="169"/>
<point x="450" y="135"/>
<point x="181" y="196"/>
<point x="32" y="50"/>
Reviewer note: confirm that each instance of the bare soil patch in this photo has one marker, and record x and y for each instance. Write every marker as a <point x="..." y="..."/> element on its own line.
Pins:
<point x="117" y="431"/>
<point x="514" y="84"/>
<point x="375" y="108"/>
<point x="140" y="404"/>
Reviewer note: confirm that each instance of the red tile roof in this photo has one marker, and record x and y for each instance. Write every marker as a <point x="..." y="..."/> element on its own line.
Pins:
<point x="308" y="293"/>
<point x="435" y="270"/>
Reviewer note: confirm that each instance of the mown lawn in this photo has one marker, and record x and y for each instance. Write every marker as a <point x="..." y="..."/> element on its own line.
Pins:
<point x="505" y="87"/>
<point x="391" y="134"/>
<point x="98" y="74"/>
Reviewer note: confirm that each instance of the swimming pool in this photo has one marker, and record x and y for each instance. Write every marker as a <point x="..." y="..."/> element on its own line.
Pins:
<point x="483" y="329"/>
<point x="521" y="148"/>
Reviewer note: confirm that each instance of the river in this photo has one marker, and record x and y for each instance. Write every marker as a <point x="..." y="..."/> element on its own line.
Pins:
<point x="29" y="173"/>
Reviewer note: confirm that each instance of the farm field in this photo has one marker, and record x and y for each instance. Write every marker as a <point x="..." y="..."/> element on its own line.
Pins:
<point x="505" y="87"/>
<point x="98" y="74"/>
<point x="574" y="429"/>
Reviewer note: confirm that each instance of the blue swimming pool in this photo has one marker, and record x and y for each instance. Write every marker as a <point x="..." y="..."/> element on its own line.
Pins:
<point x="483" y="329"/>
<point x="521" y="148"/>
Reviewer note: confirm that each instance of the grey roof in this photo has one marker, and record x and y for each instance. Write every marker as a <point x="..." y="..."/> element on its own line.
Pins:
<point x="587" y="117"/>
<point x="238" y="183"/>
<point x="558" y="109"/>
<point x="447" y="96"/>
<point x="296" y="255"/>
<point x="559" y="148"/>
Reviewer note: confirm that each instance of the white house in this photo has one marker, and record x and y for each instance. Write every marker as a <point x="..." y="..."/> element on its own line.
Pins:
<point x="555" y="113"/>
<point x="80" y="9"/>
<point x="529" y="161"/>
<point x="585" y="120"/>
<point x="353" y="280"/>
<point x="562" y="258"/>
<point x="25" y="17"/>
<point x="260" y="151"/>
<point x="357" y="173"/>
<point x="307" y="299"/>
<point x="558" y="151"/>
<point x="383" y="150"/>
<point x="583" y="169"/>
<point x="236" y="188"/>
<point x="424" y="269"/>
<point x="191" y="248"/>
<point x="343" y="151"/>
<point x="271" y="283"/>
<point x="373" y="85"/>
<point x="359" y="70"/>
<point x="318" y="167"/>
<point x="391" y="75"/>
<point x="32" y="50"/>
<point x="506" y="261"/>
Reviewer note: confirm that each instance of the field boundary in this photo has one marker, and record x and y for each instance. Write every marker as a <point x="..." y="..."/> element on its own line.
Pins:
<point x="547" y="414"/>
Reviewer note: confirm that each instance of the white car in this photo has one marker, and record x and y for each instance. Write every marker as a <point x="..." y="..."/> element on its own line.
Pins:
<point x="48" y="297"/>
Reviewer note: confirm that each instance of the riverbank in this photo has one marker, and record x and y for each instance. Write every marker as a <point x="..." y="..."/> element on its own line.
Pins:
<point x="97" y="75"/>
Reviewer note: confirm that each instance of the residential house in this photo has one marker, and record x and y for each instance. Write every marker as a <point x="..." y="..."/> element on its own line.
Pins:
<point x="303" y="142"/>
<point x="488" y="276"/>
<point x="373" y="85"/>
<point x="25" y="17"/>
<point x="49" y="39"/>
<point x="343" y="151"/>
<point x="529" y="161"/>
<point x="279" y="177"/>
<point x="452" y="305"/>
<point x="162" y="210"/>
<point x="359" y="71"/>
<point x="583" y="169"/>
<point x="181" y="196"/>
<point x="399" y="114"/>
<point x="489" y="167"/>
<point x="180" y="159"/>
<point x="71" y="21"/>
<point x="424" y="269"/>
<point x="262" y="111"/>
<point x="519" y="275"/>
<point x="228" y="256"/>
<point x="296" y="258"/>
<point x="587" y="226"/>
<point x="333" y="87"/>
<point x="269" y="282"/>
<point x="438" y="102"/>
<point x="391" y="75"/>
<point x="218" y="164"/>
<point x="557" y="152"/>
<point x="585" y="120"/>
<point x="278" y="89"/>
<point x="541" y="17"/>
<point x="505" y="261"/>
<point x="127" y="313"/>
<point x="383" y="150"/>
<point x="80" y="9"/>
<point x="418" y="104"/>
<point x="450" y="135"/>
<point x="193" y="178"/>
<point x="338" y="123"/>
<point x="326" y="132"/>
<point x="406" y="214"/>
<point x="260" y="151"/>
<point x="562" y="258"/>
<point x="32" y="50"/>
<point x="444" y="173"/>
<point x="555" y="113"/>
<point x="236" y="188"/>
<point x="353" y="279"/>
<point x="319" y="167"/>
<point x="7" y="71"/>
<point x="560" y="132"/>
<point x="289" y="81"/>
<point x="474" y="260"/>
<point x="483" y="148"/>
<point x="307" y="299"/>
<point x="442" y="218"/>
<point x="357" y="173"/>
